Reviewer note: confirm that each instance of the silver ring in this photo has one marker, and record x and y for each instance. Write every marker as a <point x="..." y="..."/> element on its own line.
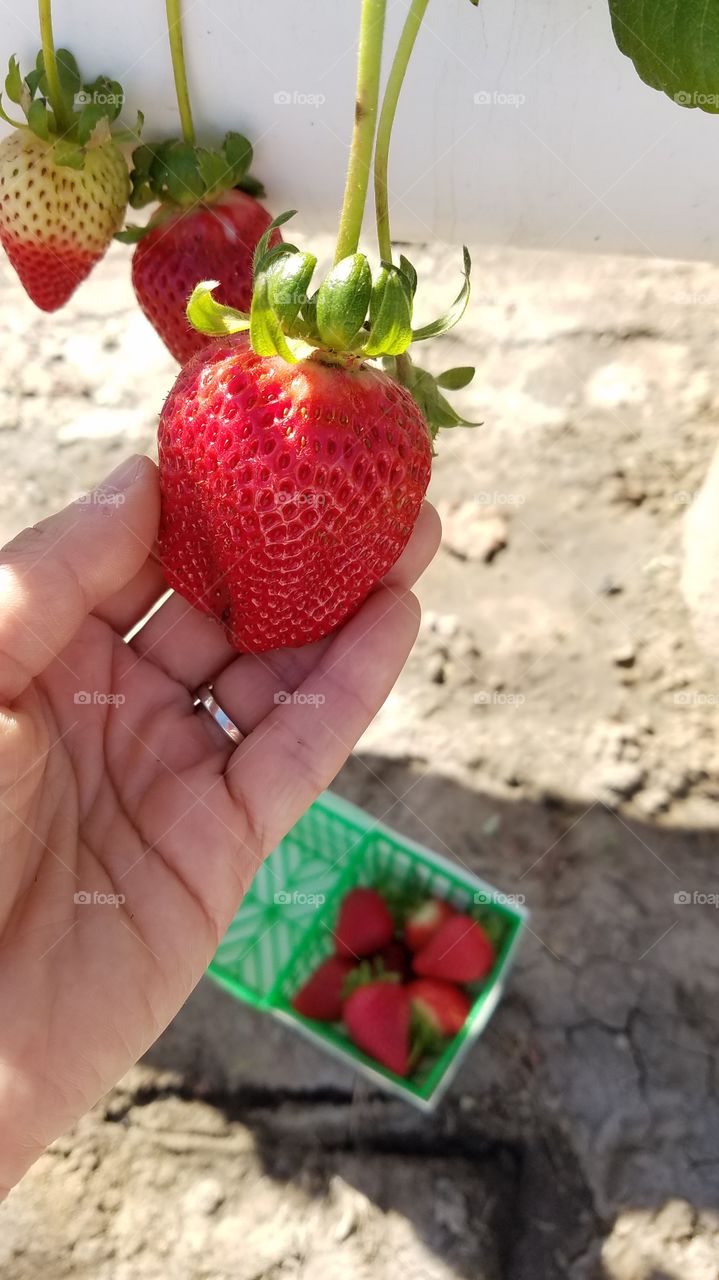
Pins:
<point x="204" y="697"/>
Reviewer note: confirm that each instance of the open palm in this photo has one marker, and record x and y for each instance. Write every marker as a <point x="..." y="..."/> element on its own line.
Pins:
<point x="130" y="827"/>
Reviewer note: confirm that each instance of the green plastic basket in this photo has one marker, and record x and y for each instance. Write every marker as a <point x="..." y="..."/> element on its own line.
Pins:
<point x="284" y="929"/>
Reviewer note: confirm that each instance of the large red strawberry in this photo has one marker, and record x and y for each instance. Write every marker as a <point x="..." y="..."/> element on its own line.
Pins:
<point x="64" y="183"/>
<point x="364" y="924"/>
<point x="321" y="996"/>
<point x="424" y="920"/>
<point x="459" y="951"/>
<point x="214" y="240"/>
<point x="288" y="490"/>
<point x="441" y="1006"/>
<point x="378" y="1018"/>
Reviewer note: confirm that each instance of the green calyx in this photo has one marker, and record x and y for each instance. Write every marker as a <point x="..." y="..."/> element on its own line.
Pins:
<point x="353" y="314"/>
<point x="77" y="116"/>
<point x="183" y="174"/>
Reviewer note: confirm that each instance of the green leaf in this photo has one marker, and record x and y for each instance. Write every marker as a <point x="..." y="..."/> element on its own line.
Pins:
<point x="132" y="234"/>
<point x="436" y="409"/>
<point x="674" y="45"/>
<point x="455" y="313"/>
<point x="212" y="317"/>
<point x="266" y="333"/>
<point x="251" y="186"/>
<point x="88" y="118"/>
<point x="32" y="80"/>
<point x="39" y="121"/>
<point x="68" y="73"/>
<point x="288" y="279"/>
<point x="16" y="124"/>
<point x="455" y="379"/>
<point x="238" y="155"/>
<point x="408" y="270"/>
<point x="261" y="252"/>
<point x="69" y="154"/>
<point x="390" y="314"/>
<point x="213" y="168"/>
<point x="181" y="173"/>
<point x="342" y="301"/>
<point x="13" y="82"/>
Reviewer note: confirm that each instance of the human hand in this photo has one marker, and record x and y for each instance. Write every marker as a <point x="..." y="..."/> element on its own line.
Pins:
<point x="130" y="792"/>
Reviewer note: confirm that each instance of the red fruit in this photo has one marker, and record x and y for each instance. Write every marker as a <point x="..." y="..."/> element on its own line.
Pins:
<point x="321" y="995"/>
<point x="56" y="221"/>
<point x="460" y="951"/>
<point x="442" y="1005"/>
<point x="395" y="958"/>
<point x="288" y="490"/>
<point x="424" y="922"/>
<point x="364" y="924"/>
<point x="213" y="241"/>
<point x="378" y="1017"/>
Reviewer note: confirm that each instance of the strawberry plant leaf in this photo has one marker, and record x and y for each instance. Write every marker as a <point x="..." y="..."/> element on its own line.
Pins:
<point x="408" y="270"/>
<point x="260" y="254"/>
<point x="32" y="80"/>
<point x="237" y="151"/>
<point x="89" y="117"/>
<point x="39" y="120"/>
<point x="16" y="124"/>
<point x="455" y="313"/>
<point x="266" y="333"/>
<point x="181" y="173"/>
<point x="674" y="45"/>
<point x="342" y="301"/>
<point x="69" y="154"/>
<point x="390" y="314"/>
<point x="213" y="168"/>
<point x="212" y="317"/>
<point x="68" y="72"/>
<point x="13" y="82"/>
<point x="456" y="379"/>
<point x="132" y="234"/>
<point x="288" y="280"/>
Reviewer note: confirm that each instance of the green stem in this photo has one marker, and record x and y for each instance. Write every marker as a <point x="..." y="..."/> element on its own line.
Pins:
<point x="360" y="162"/>
<point x="174" y="30"/>
<point x="63" y="118"/>
<point x="395" y="80"/>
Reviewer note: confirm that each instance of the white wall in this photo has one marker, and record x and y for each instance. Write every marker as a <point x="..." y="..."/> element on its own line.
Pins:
<point x="589" y="158"/>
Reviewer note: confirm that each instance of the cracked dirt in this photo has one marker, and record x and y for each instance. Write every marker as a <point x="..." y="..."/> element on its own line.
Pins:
<point x="555" y="730"/>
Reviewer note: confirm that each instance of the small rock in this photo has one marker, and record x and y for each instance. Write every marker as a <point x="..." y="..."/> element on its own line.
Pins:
<point x="472" y="532"/>
<point x="654" y="800"/>
<point x="614" y="782"/>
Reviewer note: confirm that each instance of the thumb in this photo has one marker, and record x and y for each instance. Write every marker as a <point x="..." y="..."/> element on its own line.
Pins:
<point x="53" y="575"/>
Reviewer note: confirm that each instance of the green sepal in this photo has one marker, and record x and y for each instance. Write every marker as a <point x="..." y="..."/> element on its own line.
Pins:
<point x="13" y="82"/>
<point x="69" y="74"/>
<point x="342" y="301"/>
<point x="456" y="379"/>
<point x="212" y="317"/>
<point x="365" y="972"/>
<point x="251" y="187"/>
<point x="423" y="387"/>
<point x="16" y="124"/>
<point x="493" y="923"/>
<point x="132" y="234"/>
<point x="260" y="258"/>
<point x="266" y="333"/>
<point x="237" y="152"/>
<point x="408" y="270"/>
<point x="456" y="311"/>
<point x="178" y="171"/>
<point x="212" y="167"/>
<point x="390" y="314"/>
<point x="38" y="119"/>
<point x="68" y="154"/>
<point x="288" y="278"/>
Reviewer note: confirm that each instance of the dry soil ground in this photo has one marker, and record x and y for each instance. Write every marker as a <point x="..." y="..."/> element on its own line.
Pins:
<point x="554" y="729"/>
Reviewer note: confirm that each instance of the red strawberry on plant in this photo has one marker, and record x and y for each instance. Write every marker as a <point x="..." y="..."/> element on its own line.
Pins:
<point x="442" y="1007"/>
<point x="459" y="951"/>
<point x="364" y="924"/>
<point x="63" y="181"/>
<point x="321" y="995"/>
<point x="378" y="1018"/>
<point x="424" y="920"/>
<point x="205" y="225"/>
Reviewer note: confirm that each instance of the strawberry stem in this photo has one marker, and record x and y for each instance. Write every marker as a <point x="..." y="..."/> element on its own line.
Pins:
<point x="392" y="91"/>
<point x="174" y="31"/>
<point x="360" y="162"/>
<point x="63" y="119"/>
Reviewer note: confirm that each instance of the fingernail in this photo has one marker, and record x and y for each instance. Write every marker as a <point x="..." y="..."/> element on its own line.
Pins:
<point x="124" y="475"/>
